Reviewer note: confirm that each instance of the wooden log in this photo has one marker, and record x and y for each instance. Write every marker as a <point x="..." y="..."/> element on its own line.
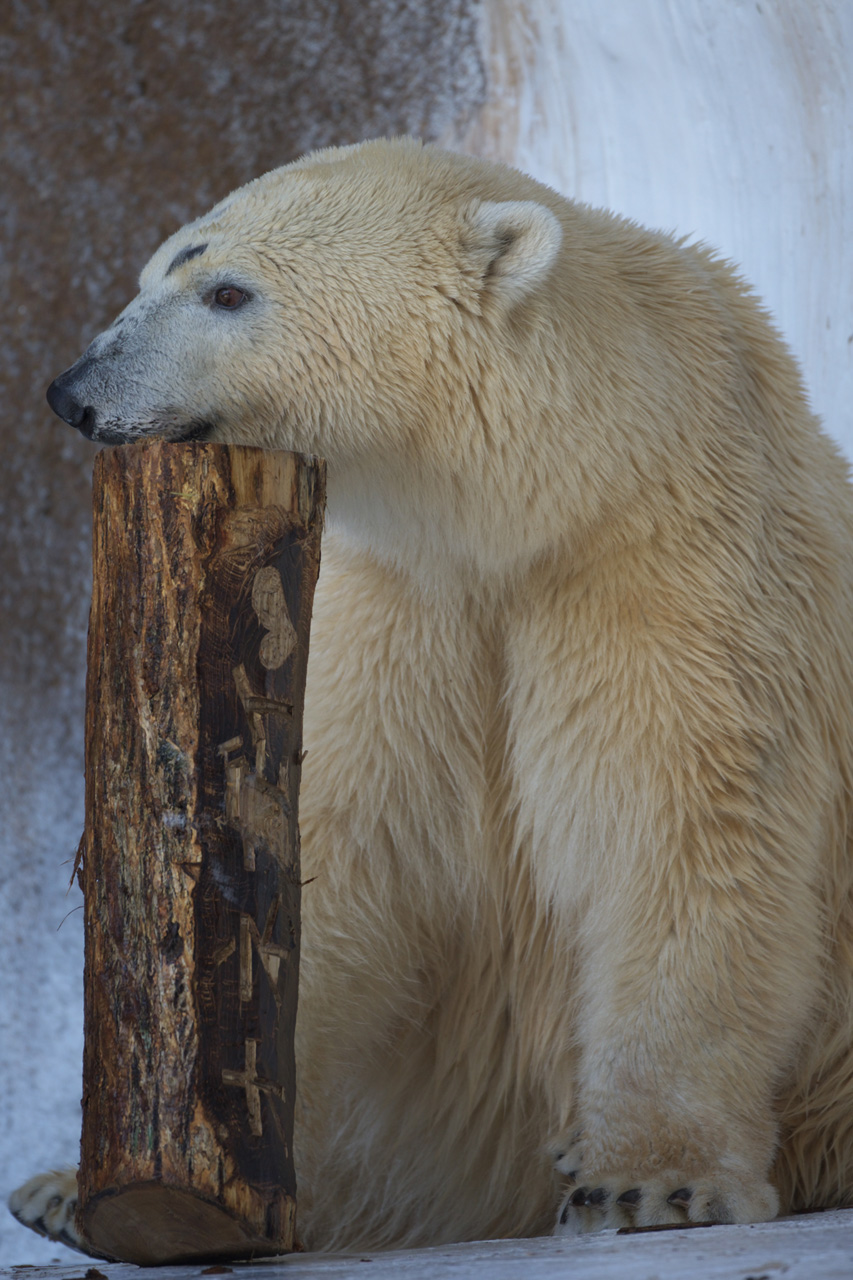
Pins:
<point x="205" y="560"/>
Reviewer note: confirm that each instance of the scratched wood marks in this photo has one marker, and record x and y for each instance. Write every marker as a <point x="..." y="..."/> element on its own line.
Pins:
<point x="205" y="560"/>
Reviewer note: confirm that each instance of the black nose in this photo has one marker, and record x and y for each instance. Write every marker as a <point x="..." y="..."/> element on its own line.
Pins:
<point x="63" y="402"/>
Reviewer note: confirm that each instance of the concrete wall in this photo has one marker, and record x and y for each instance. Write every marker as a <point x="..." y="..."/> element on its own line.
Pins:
<point x="727" y="119"/>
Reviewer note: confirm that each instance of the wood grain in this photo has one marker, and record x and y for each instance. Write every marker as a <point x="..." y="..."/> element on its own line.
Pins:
<point x="205" y="560"/>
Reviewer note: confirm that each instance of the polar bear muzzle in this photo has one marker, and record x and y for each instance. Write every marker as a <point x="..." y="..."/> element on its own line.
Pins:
<point x="64" y="402"/>
<point x="81" y="397"/>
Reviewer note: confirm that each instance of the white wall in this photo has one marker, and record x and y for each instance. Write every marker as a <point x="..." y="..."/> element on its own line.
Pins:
<point x="727" y="120"/>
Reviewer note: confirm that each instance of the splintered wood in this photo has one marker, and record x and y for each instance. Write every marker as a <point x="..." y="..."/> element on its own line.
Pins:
<point x="205" y="561"/>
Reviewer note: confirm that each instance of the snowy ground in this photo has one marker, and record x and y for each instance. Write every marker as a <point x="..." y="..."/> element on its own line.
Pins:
<point x="818" y="1247"/>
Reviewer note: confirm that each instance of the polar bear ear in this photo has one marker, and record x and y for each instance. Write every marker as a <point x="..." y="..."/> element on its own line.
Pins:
<point x="514" y="244"/>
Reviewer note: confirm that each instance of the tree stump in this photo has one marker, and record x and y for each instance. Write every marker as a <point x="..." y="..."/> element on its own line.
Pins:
<point x="205" y="561"/>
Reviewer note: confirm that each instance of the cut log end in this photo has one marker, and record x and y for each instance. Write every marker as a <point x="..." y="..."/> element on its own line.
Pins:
<point x="151" y="1224"/>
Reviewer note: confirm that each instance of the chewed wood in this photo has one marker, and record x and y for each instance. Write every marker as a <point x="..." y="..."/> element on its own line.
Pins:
<point x="205" y="561"/>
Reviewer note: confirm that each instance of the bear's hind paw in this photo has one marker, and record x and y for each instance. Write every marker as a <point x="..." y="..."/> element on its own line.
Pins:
<point x="47" y="1204"/>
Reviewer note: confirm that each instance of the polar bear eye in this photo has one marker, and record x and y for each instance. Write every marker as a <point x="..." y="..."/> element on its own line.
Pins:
<point x="229" y="297"/>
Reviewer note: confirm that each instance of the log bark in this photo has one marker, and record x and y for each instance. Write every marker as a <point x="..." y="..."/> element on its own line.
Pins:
<point x="205" y="560"/>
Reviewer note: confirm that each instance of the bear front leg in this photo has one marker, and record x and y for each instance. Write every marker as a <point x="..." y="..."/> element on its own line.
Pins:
<point x="682" y="807"/>
<point x="696" y="979"/>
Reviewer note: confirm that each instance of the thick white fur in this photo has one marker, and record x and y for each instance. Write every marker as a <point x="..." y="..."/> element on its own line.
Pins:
<point x="576" y="800"/>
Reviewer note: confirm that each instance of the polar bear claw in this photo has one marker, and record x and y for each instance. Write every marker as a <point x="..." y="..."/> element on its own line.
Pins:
<point x="620" y="1200"/>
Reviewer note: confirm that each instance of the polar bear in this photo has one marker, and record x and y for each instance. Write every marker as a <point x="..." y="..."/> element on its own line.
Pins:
<point x="576" y="805"/>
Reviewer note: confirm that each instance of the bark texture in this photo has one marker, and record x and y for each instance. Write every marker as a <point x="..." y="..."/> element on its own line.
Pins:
<point x="205" y="561"/>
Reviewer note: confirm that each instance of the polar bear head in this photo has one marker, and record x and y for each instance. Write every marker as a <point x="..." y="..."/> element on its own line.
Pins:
<point x="381" y="305"/>
<point x="326" y="307"/>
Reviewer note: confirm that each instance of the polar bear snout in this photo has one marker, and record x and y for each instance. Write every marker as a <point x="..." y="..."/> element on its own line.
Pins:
<point x="63" y="398"/>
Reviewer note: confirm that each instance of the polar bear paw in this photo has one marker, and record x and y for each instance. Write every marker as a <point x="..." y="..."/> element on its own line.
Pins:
<point x="47" y="1204"/>
<point x="594" y="1203"/>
